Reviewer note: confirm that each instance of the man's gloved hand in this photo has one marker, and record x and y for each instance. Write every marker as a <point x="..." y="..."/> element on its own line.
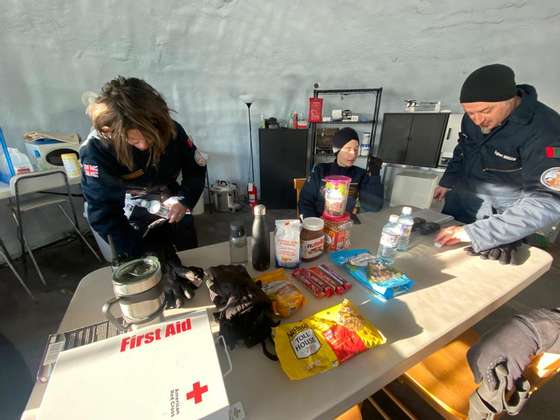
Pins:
<point x="506" y="254"/>
<point x="513" y="345"/>
<point x="179" y="283"/>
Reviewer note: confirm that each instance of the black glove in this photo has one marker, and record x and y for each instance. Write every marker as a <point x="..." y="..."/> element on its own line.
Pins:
<point x="506" y="254"/>
<point x="230" y="284"/>
<point x="244" y="311"/>
<point x="423" y="227"/>
<point x="418" y="221"/>
<point x="179" y="283"/>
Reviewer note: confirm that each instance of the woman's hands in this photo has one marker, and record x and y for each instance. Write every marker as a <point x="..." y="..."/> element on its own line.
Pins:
<point x="176" y="210"/>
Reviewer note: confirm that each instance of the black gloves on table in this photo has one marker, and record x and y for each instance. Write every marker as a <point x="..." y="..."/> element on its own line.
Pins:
<point x="506" y="254"/>
<point x="244" y="311"/>
<point x="179" y="282"/>
<point x="423" y="227"/>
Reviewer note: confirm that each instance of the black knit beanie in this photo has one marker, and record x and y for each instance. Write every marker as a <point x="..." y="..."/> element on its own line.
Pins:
<point x="343" y="136"/>
<point x="492" y="83"/>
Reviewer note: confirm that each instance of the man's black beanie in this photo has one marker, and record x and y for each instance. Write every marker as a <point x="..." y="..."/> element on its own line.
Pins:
<point x="343" y="136"/>
<point x="492" y="83"/>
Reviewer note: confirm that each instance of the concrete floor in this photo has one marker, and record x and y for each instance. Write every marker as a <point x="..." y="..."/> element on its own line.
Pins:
<point x="25" y="325"/>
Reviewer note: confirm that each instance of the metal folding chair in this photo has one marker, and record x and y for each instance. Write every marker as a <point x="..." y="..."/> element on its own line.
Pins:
<point x="8" y="260"/>
<point x="36" y="182"/>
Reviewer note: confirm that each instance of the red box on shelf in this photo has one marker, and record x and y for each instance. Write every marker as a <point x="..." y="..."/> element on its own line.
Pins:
<point x="315" y="110"/>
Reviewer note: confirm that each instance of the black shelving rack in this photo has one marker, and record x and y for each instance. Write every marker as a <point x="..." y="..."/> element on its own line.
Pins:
<point x="373" y="120"/>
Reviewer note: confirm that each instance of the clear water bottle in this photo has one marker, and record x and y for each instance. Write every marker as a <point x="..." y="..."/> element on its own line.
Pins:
<point x="155" y="207"/>
<point x="405" y="223"/>
<point x="260" y="252"/>
<point x="389" y="240"/>
<point x="237" y="243"/>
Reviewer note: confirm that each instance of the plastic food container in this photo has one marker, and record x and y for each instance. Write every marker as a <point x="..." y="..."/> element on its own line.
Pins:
<point x="337" y="231"/>
<point x="336" y="194"/>
<point x="71" y="164"/>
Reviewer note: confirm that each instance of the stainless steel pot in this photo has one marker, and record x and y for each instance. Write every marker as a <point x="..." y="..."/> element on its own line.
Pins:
<point x="139" y="292"/>
<point x="223" y="195"/>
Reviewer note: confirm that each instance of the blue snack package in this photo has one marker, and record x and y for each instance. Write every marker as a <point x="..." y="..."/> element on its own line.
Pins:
<point x="372" y="273"/>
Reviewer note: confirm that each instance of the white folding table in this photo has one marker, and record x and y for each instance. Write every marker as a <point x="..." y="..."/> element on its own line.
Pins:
<point x="453" y="291"/>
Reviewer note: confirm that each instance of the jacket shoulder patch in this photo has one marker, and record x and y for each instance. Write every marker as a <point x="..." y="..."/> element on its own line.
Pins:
<point x="552" y="152"/>
<point x="551" y="179"/>
<point x="91" y="170"/>
<point x="199" y="158"/>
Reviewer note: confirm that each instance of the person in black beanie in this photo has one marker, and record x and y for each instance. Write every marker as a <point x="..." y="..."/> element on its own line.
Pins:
<point x="504" y="183"/>
<point x="504" y="178"/>
<point x="369" y="189"/>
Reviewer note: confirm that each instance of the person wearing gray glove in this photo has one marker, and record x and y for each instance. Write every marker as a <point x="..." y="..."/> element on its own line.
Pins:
<point x="506" y="254"/>
<point x="514" y="345"/>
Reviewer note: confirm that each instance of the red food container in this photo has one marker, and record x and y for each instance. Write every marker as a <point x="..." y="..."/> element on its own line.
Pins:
<point x="337" y="231"/>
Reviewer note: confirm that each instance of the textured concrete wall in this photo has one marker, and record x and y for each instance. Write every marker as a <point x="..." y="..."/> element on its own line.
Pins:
<point x="203" y="54"/>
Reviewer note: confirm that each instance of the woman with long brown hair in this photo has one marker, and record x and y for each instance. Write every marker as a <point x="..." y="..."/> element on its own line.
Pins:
<point x="131" y="161"/>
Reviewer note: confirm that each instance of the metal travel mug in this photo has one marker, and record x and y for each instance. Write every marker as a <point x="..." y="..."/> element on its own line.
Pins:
<point x="138" y="290"/>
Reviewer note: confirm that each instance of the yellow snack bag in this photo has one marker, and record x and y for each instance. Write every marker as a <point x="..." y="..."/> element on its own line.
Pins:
<point x="286" y="298"/>
<point x="324" y="340"/>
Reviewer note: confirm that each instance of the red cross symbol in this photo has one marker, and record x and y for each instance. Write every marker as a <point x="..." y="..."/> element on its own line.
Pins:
<point x="197" y="392"/>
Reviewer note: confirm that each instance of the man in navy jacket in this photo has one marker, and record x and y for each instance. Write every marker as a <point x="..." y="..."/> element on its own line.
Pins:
<point x="504" y="178"/>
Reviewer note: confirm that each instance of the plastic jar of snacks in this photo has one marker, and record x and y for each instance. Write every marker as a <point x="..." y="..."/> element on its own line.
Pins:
<point x="336" y="194"/>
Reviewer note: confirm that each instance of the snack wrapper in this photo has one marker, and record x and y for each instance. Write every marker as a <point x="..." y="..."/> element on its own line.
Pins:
<point x="372" y="273"/>
<point x="324" y="340"/>
<point x="286" y="298"/>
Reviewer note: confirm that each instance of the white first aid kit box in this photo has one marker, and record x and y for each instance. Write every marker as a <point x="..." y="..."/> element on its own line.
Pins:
<point x="165" y="371"/>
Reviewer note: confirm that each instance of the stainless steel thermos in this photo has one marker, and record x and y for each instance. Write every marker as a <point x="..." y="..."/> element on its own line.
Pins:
<point x="138" y="290"/>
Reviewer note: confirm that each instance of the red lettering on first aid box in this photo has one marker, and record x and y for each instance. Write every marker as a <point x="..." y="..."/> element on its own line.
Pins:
<point x="168" y="330"/>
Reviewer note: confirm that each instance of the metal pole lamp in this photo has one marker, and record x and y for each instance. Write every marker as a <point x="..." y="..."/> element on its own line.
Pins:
<point x="248" y="100"/>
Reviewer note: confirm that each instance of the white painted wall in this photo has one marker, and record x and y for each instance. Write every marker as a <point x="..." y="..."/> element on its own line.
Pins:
<point x="203" y="54"/>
